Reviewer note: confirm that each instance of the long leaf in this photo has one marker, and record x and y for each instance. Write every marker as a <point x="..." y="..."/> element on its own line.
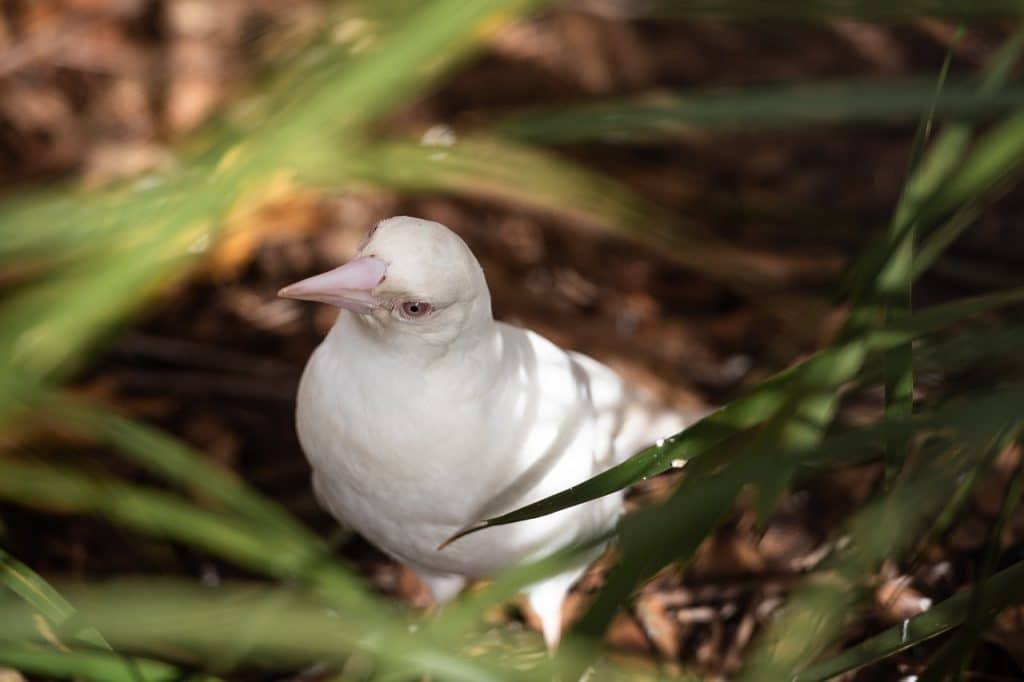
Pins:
<point x="46" y="329"/>
<point x="98" y="666"/>
<point x="492" y="168"/>
<point x="875" y="10"/>
<point x="667" y="116"/>
<point x="1001" y="590"/>
<point x="202" y="623"/>
<point x="742" y="413"/>
<point x="164" y="515"/>
<point x="173" y="460"/>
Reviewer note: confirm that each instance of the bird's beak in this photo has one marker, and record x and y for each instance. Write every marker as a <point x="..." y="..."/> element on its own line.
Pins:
<point x="350" y="286"/>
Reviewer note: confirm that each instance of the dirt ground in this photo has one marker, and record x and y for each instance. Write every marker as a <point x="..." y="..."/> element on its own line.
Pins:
<point x="99" y="89"/>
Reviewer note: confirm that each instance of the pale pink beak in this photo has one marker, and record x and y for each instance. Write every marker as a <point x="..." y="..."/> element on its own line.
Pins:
<point x="350" y="286"/>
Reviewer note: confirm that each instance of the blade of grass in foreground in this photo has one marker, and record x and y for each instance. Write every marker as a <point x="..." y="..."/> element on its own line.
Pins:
<point x="173" y="460"/>
<point x="98" y="666"/>
<point x="28" y="585"/>
<point x="873" y="273"/>
<point x="674" y="530"/>
<point x="1001" y="590"/>
<point x="201" y="624"/>
<point x="895" y="282"/>
<point x="163" y="515"/>
<point x="875" y="10"/>
<point x="491" y="168"/>
<point x="101" y="665"/>
<point x="819" y="609"/>
<point x="47" y="328"/>
<point x="666" y="116"/>
<point x="743" y="413"/>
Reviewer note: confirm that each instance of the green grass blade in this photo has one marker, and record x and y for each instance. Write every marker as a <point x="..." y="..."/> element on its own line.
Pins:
<point x="895" y="284"/>
<point x="952" y="659"/>
<point x="818" y="610"/>
<point x="202" y="623"/>
<point x="874" y="10"/>
<point x="668" y="116"/>
<point x="31" y="587"/>
<point x="163" y="515"/>
<point x="174" y="461"/>
<point x="28" y="585"/>
<point x="759" y="404"/>
<point x="491" y="168"/>
<point x="1001" y="590"/>
<point x="47" y="328"/>
<point x="998" y="155"/>
<point x="91" y="665"/>
<point x="494" y="169"/>
<point x="100" y="665"/>
<point x="925" y="188"/>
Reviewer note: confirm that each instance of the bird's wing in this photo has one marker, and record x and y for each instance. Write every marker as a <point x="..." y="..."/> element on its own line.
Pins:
<point x="632" y="416"/>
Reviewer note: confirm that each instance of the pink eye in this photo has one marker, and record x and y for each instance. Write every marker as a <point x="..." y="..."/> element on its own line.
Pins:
<point x="415" y="308"/>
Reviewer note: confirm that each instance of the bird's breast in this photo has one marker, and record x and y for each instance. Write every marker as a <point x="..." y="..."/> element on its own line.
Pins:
<point x="408" y="458"/>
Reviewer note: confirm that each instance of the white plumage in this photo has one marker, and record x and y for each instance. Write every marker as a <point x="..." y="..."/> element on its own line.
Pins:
<point x="420" y="415"/>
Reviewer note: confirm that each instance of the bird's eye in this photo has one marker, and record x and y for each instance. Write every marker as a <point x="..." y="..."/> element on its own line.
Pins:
<point x="415" y="308"/>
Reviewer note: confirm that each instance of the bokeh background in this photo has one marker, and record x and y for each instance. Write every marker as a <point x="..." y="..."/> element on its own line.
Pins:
<point x="700" y="194"/>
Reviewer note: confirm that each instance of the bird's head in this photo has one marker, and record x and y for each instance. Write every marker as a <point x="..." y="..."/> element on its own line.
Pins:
<point x="414" y="278"/>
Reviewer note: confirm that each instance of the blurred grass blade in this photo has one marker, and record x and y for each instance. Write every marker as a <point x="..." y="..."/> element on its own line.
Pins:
<point x="200" y="623"/>
<point x="491" y="168"/>
<point x="997" y="73"/>
<point x="31" y="587"/>
<point x="47" y="328"/>
<point x="97" y="666"/>
<point x="162" y="515"/>
<point x="28" y="585"/>
<point x="668" y="116"/>
<point x="339" y="95"/>
<point x="742" y="413"/>
<point x="998" y="155"/>
<point x="175" y="461"/>
<point x="895" y="283"/>
<point x="953" y="657"/>
<point x="875" y="10"/>
<point x="819" y="608"/>
<point x="1001" y="590"/>
<point x="929" y="173"/>
<point x="427" y="42"/>
<point x="100" y="665"/>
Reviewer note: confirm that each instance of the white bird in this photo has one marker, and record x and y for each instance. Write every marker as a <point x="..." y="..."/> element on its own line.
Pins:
<point x="421" y="415"/>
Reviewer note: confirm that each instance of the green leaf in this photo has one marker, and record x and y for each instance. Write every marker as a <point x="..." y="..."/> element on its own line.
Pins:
<point x="1001" y="590"/>
<point x="91" y="665"/>
<point x="747" y="411"/>
<point x="31" y="587"/>
<point x="875" y="10"/>
<point x="790" y="106"/>
<point x="136" y="239"/>
<point x="501" y="170"/>
<point x="818" y="610"/>
<point x="100" y="665"/>
<point x="163" y="515"/>
<point x="28" y="585"/>
<point x="200" y="624"/>
<point x="174" y="461"/>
